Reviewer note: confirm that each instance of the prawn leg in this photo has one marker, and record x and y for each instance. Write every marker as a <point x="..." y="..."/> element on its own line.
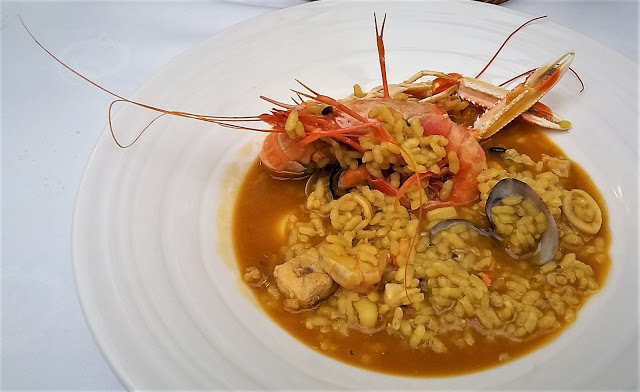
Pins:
<point x="381" y="58"/>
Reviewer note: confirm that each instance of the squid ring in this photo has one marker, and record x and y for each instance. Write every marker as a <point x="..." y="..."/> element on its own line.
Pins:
<point x="367" y="211"/>
<point x="567" y="208"/>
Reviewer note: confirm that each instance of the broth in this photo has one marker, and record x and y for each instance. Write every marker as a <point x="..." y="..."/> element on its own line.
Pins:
<point x="260" y="239"/>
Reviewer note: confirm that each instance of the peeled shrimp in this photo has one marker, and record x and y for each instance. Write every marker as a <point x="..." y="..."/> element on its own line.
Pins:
<point x="356" y="273"/>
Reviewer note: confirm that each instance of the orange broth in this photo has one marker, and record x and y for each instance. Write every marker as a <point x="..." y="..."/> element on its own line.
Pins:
<point x="260" y="238"/>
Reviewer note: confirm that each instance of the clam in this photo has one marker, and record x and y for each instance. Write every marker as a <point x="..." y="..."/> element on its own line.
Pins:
<point x="310" y="186"/>
<point x="548" y="243"/>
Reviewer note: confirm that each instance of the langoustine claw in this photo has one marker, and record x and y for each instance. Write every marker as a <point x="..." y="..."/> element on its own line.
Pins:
<point x="523" y="96"/>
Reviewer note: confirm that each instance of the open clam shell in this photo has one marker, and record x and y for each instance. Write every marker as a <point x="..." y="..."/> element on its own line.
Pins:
<point x="310" y="186"/>
<point x="445" y="224"/>
<point x="548" y="244"/>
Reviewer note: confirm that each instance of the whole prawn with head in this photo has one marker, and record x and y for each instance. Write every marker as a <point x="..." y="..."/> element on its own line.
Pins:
<point x="305" y="131"/>
<point x="304" y="137"/>
<point x="307" y="134"/>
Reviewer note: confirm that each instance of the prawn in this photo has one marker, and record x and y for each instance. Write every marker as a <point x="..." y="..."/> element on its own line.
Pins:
<point x="468" y="152"/>
<point x="352" y="271"/>
<point x="347" y="120"/>
<point x="311" y="277"/>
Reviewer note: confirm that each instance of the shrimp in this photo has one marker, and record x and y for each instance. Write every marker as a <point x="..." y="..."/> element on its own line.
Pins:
<point x="469" y="153"/>
<point x="286" y="158"/>
<point x="315" y="274"/>
<point x="303" y="280"/>
<point x="345" y="121"/>
<point x="348" y="120"/>
<point x="289" y="158"/>
<point x="356" y="273"/>
<point x="435" y="121"/>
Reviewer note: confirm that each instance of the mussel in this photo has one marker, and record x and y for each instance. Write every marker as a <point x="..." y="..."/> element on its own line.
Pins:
<point x="337" y="191"/>
<point x="548" y="243"/>
<point x="335" y="178"/>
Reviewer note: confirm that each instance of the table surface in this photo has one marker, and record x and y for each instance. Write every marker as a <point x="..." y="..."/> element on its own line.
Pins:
<point x="51" y="122"/>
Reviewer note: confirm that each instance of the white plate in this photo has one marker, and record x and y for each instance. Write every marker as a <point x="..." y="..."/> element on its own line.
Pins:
<point x="151" y="236"/>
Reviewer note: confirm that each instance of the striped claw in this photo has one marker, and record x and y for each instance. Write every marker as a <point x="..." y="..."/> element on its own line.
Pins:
<point x="486" y="95"/>
<point x="523" y="97"/>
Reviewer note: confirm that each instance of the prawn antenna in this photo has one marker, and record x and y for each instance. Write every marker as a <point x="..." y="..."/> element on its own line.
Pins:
<point x="66" y="66"/>
<point x="579" y="79"/>
<point x="219" y="120"/>
<point x="516" y="77"/>
<point x="531" y="70"/>
<point x="505" y="42"/>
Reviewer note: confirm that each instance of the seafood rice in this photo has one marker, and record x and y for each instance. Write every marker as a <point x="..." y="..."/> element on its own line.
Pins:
<point x="415" y="240"/>
<point x="458" y="289"/>
<point x="432" y="233"/>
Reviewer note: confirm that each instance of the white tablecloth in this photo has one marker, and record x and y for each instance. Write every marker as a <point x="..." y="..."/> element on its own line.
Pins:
<point x="51" y="121"/>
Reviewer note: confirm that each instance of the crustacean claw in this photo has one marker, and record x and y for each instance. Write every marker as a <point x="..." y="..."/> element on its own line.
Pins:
<point x="486" y="95"/>
<point x="522" y="97"/>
